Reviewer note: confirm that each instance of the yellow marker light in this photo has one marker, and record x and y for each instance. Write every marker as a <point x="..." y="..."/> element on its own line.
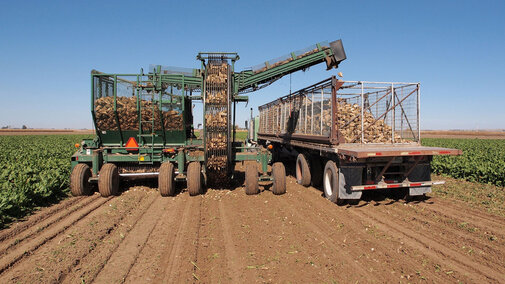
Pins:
<point x="270" y="147"/>
<point x="141" y="158"/>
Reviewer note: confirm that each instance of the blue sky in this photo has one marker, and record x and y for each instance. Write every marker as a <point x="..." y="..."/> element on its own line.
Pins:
<point x="456" y="49"/>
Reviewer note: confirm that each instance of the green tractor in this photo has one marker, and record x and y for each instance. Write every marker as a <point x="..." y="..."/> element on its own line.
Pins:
<point x="144" y="124"/>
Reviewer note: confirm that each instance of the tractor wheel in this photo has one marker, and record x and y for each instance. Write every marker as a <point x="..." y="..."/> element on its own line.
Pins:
<point x="194" y="177"/>
<point x="166" y="179"/>
<point x="316" y="171"/>
<point x="279" y="175"/>
<point x="331" y="182"/>
<point x="79" y="184"/>
<point x="251" y="178"/>
<point x="302" y="170"/>
<point x="108" y="180"/>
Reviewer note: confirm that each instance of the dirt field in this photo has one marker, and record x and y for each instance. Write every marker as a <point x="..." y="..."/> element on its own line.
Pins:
<point x="43" y="131"/>
<point x="463" y="134"/>
<point x="226" y="236"/>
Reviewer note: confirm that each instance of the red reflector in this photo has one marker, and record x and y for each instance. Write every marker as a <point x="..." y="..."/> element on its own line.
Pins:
<point x="370" y="187"/>
<point x="414" y="153"/>
<point x="445" y="152"/>
<point x="393" y="185"/>
<point x="132" y="145"/>
<point x="378" y="154"/>
<point x="77" y="158"/>
<point x="415" y="184"/>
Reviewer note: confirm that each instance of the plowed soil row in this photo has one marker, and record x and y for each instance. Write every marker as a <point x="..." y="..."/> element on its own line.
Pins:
<point x="226" y="236"/>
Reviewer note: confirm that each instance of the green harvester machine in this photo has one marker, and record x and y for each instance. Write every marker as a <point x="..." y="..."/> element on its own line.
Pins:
<point x="144" y="124"/>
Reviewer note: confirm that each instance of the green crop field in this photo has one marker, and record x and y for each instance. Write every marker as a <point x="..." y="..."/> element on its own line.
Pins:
<point x="34" y="171"/>
<point x="483" y="160"/>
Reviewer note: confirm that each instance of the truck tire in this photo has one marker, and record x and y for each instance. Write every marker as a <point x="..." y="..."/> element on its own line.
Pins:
<point x="331" y="182"/>
<point x="251" y="178"/>
<point x="108" y="180"/>
<point x="279" y="175"/>
<point x="316" y="171"/>
<point x="302" y="170"/>
<point x="79" y="184"/>
<point x="166" y="179"/>
<point x="194" y="178"/>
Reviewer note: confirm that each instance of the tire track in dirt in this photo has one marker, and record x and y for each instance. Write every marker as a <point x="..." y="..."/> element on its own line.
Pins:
<point x="38" y="217"/>
<point x="430" y="247"/>
<point x="172" y="259"/>
<point x="16" y="253"/>
<point x="482" y="249"/>
<point x="90" y="263"/>
<point x="148" y="263"/>
<point x="404" y="260"/>
<point x="233" y="262"/>
<point x="43" y="224"/>
<point x="124" y="256"/>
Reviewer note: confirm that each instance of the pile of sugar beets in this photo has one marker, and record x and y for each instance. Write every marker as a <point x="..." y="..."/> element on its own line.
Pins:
<point x="128" y="115"/>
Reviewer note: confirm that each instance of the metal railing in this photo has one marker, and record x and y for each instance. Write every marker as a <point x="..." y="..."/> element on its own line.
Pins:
<point x="346" y="112"/>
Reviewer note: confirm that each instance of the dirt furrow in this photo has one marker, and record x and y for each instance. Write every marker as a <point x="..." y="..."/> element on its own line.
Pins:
<point x="89" y="263"/>
<point x="173" y="261"/>
<point x="148" y="263"/>
<point x="123" y="258"/>
<point x="492" y="223"/>
<point x="461" y="236"/>
<point x="233" y="262"/>
<point x="14" y="254"/>
<point x="40" y="216"/>
<point x="389" y="251"/>
<point x="37" y="228"/>
<point x="430" y="247"/>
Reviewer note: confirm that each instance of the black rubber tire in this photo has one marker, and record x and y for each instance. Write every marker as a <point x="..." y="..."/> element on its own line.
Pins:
<point x="331" y="183"/>
<point x="251" y="178"/>
<point x="79" y="184"/>
<point x="108" y="180"/>
<point x="302" y="170"/>
<point x="166" y="179"/>
<point x="279" y="175"/>
<point x="316" y="171"/>
<point x="194" y="178"/>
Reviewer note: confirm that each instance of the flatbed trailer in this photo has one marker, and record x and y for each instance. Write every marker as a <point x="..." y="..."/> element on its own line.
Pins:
<point x="351" y="136"/>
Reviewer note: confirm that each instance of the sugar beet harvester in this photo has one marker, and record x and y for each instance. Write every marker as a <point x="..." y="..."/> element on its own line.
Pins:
<point x="144" y="124"/>
<point x="352" y="137"/>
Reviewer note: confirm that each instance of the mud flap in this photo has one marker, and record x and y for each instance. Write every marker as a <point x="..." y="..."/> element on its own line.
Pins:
<point x="349" y="177"/>
<point x="420" y="173"/>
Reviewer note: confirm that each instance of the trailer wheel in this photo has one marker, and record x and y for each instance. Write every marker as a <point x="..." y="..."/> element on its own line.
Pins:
<point x="316" y="171"/>
<point x="302" y="170"/>
<point x="194" y="177"/>
<point x="279" y="175"/>
<point x="251" y="179"/>
<point x="79" y="184"/>
<point x="108" y="180"/>
<point x="331" y="182"/>
<point x="166" y="179"/>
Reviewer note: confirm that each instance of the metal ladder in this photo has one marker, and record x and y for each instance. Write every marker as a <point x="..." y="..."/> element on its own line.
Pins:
<point x="145" y="136"/>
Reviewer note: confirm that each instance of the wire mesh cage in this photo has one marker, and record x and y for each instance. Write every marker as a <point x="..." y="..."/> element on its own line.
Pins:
<point x="350" y="112"/>
<point x="130" y="102"/>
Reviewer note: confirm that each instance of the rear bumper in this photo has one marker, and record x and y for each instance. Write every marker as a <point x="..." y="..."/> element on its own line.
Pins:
<point x="396" y="185"/>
